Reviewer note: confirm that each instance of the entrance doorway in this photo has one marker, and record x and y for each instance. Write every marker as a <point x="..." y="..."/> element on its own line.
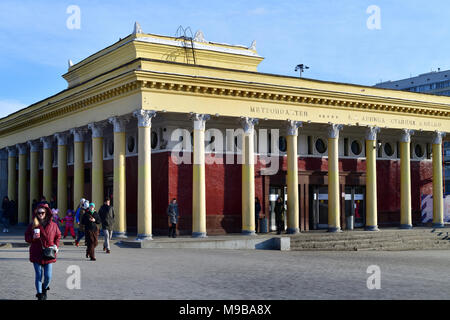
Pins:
<point x="319" y="205"/>
<point x="355" y="206"/>
<point x="274" y="193"/>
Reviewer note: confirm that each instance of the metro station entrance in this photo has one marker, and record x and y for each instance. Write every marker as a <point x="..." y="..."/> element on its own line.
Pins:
<point x="355" y="210"/>
<point x="319" y="207"/>
<point x="355" y="206"/>
<point x="274" y="193"/>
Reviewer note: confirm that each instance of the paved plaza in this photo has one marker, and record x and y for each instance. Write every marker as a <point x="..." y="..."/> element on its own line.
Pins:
<point x="130" y="273"/>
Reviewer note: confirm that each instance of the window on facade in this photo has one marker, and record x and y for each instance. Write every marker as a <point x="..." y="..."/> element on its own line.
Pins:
<point x="282" y="144"/>
<point x="111" y="148"/>
<point x="154" y="140"/>
<point x="419" y="151"/>
<point x="388" y="150"/>
<point x="356" y="147"/>
<point x="131" y="144"/>
<point x="321" y="146"/>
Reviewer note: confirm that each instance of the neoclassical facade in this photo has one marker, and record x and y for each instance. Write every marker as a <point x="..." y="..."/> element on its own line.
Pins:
<point x="151" y="118"/>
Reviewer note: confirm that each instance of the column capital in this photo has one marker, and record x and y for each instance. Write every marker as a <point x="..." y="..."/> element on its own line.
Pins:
<point x="61" y="138"/>
<point x="199" y="120"/>
<point x="372" y="132"/>
<point x="333" y="130"/>
<point x="438" y="136"/>
<point x="34" y="145"/>
<point x="78" y="134"/>
<point x="292" y="127"/>
<point x="48" y="142"/>
<point x="12" y="151"/>
<point x="248" y="124"/>
<point x="23" y="148"/>
<point x="119" y="123"/>
<point x="406" y="135"/>
<point x="144" y="117"/>
<point x="97" y="129"/>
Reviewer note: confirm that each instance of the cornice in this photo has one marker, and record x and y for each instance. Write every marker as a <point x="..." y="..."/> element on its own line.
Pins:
<point x="228" y="89"/>
<point x="302" y="96"/>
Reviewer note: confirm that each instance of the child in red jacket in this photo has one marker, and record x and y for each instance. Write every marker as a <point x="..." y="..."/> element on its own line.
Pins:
<point x="69" y="219"/>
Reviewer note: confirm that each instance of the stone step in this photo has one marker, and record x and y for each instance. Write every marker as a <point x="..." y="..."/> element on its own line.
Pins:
<point x="399" y="244"/>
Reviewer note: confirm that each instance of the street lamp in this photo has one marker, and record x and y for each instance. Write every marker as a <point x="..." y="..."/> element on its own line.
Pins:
<point x="302" y="68"/>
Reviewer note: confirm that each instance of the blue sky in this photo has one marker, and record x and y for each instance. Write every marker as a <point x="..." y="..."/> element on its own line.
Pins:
<point x="329" y="36"/>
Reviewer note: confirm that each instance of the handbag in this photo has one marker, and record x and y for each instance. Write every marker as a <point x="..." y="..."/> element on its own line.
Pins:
<point x="48" y="253"/>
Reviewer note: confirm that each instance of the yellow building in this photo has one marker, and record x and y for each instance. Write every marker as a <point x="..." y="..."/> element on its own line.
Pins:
<point x="124" y="124"/>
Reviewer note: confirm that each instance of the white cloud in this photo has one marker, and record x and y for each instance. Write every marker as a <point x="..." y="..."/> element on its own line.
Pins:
<point x="10" y="106"/>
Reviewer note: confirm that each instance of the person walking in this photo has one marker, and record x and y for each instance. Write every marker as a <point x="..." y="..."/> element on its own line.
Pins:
<point x="279" y="215"/>
<point x="106" y="214"/>
<point x="42" y="233"/>
<point x="6" y="210"/>
<point x="68" y="220"/>
<point x="53" y="203"/>
<point x="83" y="207"/>
<point x="172" y="212"/>
<point x="90" y="221"/>
<point x="257" y="214"/>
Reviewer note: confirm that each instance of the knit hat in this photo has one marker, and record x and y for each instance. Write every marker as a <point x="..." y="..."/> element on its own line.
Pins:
<point x="92" y="204"/>
<point x="82" y="201"/>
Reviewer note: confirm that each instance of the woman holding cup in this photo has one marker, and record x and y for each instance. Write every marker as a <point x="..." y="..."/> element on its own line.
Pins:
<point x="42" y="233"/>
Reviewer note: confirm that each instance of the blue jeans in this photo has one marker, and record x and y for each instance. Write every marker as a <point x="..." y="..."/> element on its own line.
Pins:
<point x="45" y="271"/>
<point x="80" y="235"/>
<point x="5" y="222"/>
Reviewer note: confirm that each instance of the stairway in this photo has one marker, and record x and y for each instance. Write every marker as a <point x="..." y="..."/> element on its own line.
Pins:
<point x="386" y="239"/>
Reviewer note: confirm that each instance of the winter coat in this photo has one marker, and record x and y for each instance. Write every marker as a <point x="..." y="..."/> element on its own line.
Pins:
<point x="79" y="217"/>
<point x="68" y="220"/>
<point x="106" y="214"/>
<point x="172" y="212"/>
<point x="49" y="236"/>
<point x="6" y="207"/>
<point x="89" y="225"/>
<point x="257" y="210"/>
<point x="279" y="211"/>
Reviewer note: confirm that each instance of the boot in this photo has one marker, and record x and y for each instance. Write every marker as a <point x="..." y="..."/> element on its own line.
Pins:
<point x="39" y="296"/>
<point x="44" y="293"/>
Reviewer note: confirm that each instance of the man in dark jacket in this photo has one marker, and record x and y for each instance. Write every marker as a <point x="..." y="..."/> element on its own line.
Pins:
<point x="257" y="214"/>
<point x="106" y="214"/>
<point x="90" y="221"/>
<point x="279" y="215"/>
